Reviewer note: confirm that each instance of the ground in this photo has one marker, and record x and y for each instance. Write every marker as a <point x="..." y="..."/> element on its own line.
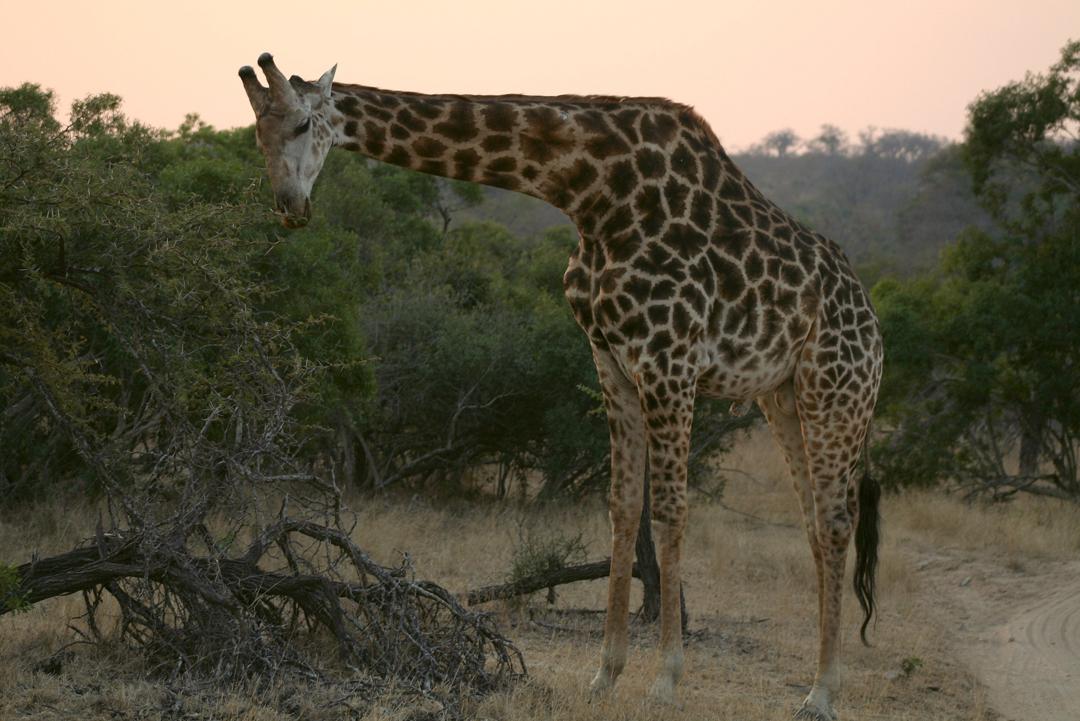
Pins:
<point x="979" y="618"/>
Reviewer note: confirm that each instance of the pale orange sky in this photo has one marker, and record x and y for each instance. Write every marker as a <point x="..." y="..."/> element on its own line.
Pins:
<point x="749" y="67"/>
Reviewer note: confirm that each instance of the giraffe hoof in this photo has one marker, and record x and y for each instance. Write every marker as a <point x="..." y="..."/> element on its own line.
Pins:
<point x="808" y="712"/>
<point x="816" y="706"/>
<point x="601" y="686"/>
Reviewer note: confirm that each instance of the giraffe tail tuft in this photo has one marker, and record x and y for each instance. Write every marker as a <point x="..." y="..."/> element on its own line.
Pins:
<point x="867" y="535"/>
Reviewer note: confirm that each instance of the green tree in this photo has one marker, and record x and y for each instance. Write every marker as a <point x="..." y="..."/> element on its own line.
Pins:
<point x="135" y="348"/>
<point x="780" y="142"/>
<point x="983" y="355"/>
<point x="830" y="140"/>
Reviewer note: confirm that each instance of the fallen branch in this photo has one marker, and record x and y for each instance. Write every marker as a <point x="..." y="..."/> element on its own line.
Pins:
<point x="230" y="615"/>
<point x="539" y="581"/>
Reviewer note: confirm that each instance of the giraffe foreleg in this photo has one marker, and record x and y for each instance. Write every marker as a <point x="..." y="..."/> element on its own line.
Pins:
<point x="627" y="432"/>
<point x="669" y="413"/>
<point x="780" y="411"/>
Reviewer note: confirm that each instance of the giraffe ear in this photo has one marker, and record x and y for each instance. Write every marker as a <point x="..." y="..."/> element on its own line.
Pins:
<point x="327" y="80"/>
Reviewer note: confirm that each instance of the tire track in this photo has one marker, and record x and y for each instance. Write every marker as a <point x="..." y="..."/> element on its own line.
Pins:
<point x="1031" y="664"/>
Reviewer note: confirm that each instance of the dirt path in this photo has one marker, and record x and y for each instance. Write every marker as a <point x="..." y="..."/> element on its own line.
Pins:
<point x="1031" y="663"/>
<point x="1019" y="631"/>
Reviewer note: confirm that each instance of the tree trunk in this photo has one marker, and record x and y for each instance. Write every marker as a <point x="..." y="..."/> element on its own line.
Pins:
<point x="1030" y="444"/>
<point x="504" y="476"/>
<point x="647" y="569"/>
<point x="346" y="456"/>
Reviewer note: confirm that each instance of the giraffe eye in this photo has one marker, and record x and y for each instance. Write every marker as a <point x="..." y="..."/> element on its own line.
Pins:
<point x="302" y="127"/>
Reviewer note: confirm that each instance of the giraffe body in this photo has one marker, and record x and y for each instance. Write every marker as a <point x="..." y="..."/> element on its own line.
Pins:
<point x="687" y="281"/>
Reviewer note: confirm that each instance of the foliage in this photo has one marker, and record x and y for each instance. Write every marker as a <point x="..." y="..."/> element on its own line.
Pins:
<point x="1022" y="148"/>
<point x="9" y="589"/>
<point x="129" y="323"/>
<point x="538" y="553"/>
<point x="481" y="364"/>
<point x="830" y="140"/>
<point x="780" y="142"/>
<point x="456" y="387"/>
<point x="982" y="354"/>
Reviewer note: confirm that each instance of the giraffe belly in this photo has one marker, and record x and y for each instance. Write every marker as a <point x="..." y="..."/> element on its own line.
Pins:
<point x="731" y="371"/>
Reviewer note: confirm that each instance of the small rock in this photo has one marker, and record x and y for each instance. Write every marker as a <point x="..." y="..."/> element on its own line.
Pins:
<point x="923" y="564"/>
<point x="893" y="675"/>
<point x="966" y="582"/>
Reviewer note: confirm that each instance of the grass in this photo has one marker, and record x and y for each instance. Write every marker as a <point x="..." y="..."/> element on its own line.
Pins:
<point x="748" y="579"/>
<point x="1029" y="526"/>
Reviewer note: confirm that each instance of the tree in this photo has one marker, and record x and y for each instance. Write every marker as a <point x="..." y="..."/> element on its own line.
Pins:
<point x="1022" y="149"/>
<point x="122" y="305"/>
<point x="148" y="357"/>
<point x="1026" y="133"/>
<point x="986" y="350"/>
<point x="830" y="140"/>
<point x="455" y="196"/>
<point x="780" y="142"/>
<point x="901" y="145"/>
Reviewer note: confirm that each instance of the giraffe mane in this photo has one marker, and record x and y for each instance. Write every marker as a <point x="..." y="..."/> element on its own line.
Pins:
<point x="685" y="112"/>
<point x="516" y="97"/>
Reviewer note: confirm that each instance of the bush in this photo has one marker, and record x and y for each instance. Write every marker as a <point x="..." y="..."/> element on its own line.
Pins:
<point x="132" y="327"/>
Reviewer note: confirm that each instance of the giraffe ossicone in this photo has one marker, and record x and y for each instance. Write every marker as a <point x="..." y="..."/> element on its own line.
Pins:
<point x="687" y="282"/>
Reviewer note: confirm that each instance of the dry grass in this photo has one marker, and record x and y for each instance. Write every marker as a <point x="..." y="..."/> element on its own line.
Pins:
<point x="749" y="583"/>
<point x="1026" y="527"/>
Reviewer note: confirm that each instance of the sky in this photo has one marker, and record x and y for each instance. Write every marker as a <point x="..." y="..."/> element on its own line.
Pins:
<point x="748" y="67"/>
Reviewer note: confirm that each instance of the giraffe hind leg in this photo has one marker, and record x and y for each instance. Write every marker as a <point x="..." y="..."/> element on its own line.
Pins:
<point x="834" y="423"/>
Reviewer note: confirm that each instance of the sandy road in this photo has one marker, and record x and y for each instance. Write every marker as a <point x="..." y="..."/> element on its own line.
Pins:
<point x="1031" y="663"/>
<point x="1017" y="630"/>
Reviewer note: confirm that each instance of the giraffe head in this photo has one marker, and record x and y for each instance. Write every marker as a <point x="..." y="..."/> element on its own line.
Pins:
<point x="294" y="132"/>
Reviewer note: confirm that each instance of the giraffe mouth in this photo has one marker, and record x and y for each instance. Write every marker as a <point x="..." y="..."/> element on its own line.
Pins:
<point x="293" y="220"/>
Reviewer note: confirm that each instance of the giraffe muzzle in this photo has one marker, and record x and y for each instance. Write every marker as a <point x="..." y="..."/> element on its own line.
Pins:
<point x="290" y="218"/>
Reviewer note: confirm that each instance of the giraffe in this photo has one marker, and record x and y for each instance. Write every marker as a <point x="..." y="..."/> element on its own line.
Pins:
<point x="687" y="282"/>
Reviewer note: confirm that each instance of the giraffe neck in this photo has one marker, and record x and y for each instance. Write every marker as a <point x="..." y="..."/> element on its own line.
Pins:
<point x="566" y="150"/>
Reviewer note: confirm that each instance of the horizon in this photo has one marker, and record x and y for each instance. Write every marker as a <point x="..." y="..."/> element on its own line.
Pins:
<point x="828" y="64"/>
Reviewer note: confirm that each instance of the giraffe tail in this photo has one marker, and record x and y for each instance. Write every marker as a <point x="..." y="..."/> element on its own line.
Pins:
<point x="867" y="535"/>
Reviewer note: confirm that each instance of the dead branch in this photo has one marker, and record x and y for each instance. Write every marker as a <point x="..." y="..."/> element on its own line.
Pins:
<point x="539" y="581"/>
<point x="229" y="613"/>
